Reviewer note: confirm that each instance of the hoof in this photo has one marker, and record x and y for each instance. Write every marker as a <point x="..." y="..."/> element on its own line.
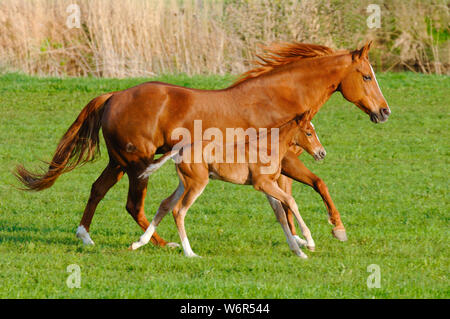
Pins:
<point x="87" y="242"/>
<point x="300" y="254"/>
<point x="300" y="242"/>
<point x="173" y="245"/>
<point x="340" y="234"/>
<point x="311" y="248"/>
<point x="134" y="246"/>
<point x="303" y="256"/>
<point x="84" y="236"/>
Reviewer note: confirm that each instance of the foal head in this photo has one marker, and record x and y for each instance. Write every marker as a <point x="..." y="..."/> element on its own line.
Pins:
<point x="307" y="139"/>
<point x="360" y="87"/>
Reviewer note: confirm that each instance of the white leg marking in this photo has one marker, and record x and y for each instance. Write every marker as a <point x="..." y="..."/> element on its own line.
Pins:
<point x="84" y="235"/>
<point x="145" y="238"/>
<point x="304" y="229"/>
<point x="291" y="240"/>
<point x="310" y="244"/>
<point x="187" y="248"/>
<point x="179" y="191"/>
<point x="300" y="242"/>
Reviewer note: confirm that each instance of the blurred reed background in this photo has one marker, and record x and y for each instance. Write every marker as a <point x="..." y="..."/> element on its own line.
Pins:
<point x="131" y="38"/>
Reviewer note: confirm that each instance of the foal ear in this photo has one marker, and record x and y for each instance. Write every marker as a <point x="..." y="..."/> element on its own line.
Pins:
<point x="304" y="117"/>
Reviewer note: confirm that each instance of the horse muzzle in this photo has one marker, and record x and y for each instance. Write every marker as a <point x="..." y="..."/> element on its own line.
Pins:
<point x="380" y="117"/>
<point x="320" y="154"/>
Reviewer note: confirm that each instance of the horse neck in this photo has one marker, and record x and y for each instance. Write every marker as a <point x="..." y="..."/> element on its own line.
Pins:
<point x="295" y="88"/>
<point x="286" y="134"/>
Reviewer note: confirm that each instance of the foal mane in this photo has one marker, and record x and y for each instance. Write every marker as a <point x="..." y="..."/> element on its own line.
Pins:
<point x="280" y="54"/>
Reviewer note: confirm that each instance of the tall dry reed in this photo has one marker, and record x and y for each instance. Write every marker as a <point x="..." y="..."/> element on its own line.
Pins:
<point x="121" y="38"/>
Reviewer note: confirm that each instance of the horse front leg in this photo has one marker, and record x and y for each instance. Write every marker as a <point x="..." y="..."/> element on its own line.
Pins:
<point x="295" y="169"/>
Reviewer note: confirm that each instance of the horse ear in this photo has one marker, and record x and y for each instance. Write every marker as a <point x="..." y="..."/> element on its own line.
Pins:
<point x="363" y="52"/>
<point x="366" y="48"/>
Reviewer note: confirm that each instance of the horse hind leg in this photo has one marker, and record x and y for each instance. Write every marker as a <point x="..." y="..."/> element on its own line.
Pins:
<point x="179" y="213"/>
<point x="180" y="201"/>
<point x="166" y="206"/>
<point x="109" y="177"/>
<point x="135" y="206"/>
<point x="281" y="217"/>
<point x="272" y="189"/>
<point x="285" y="183"/>
<point x="193" y="187"/>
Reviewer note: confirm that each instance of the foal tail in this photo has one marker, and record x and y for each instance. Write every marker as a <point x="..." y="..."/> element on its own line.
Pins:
<point x="153" y="167"/>
<point x="78" y="146"/>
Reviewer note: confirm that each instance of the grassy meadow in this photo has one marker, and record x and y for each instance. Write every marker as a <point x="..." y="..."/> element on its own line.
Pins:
<point x="389" y="181"/>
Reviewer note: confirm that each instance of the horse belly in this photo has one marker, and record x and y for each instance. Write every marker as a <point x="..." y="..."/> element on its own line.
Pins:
<point x="231" y="173"/>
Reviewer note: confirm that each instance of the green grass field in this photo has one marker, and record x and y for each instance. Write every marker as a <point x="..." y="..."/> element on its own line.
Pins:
<point x="389" y="181"/>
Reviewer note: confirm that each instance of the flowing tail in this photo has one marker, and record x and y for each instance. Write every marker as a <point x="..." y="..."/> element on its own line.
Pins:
<point x="78" y="146"/>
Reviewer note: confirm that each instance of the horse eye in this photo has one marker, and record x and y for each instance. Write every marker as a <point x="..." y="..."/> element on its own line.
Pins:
<point x="308" y="134"/>
<point x="367" y="77"/>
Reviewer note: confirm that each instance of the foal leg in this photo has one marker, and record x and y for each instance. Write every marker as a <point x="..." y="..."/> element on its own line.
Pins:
<point x="294" y="168"/>
<point x="192" y="191"/>
<point x="281" y="216"/>
<point x="165" y="206"/>
<point x="109" y="177"/>
<point x="285" y="184"/>
<point x="272" y="189"/>
<point x="135" y="206"/>
<point x="179" y="213"/>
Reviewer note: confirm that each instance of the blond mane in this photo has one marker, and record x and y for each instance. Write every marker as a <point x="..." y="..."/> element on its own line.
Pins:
<point x="280" y="54"/>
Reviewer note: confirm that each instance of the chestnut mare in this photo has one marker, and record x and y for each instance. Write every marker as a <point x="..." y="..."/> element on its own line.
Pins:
<point x="137" y="122"/>
<point x="194" y="176"/>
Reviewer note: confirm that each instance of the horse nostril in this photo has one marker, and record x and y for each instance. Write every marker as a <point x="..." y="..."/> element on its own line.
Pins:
<point x="322" y="153"/>
<point x="374" y="117"/>
<point x="386" y="111"/>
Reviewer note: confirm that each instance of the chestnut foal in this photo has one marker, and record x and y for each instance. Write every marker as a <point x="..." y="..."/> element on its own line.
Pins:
<point x="195" y="176"/>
